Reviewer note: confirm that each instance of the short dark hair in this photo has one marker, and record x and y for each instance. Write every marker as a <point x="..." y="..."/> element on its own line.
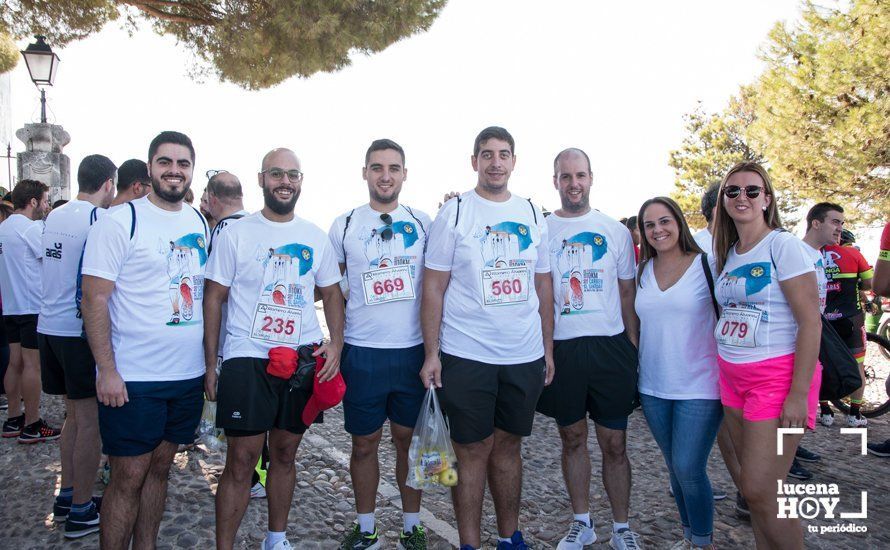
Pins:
<point x="94" y="170"/>
<point x="382" y="145"/>
<point x="709" y="201"/>
<point x="632" y="223"/>
<point x="130" y="172"/>
<point x="493" y="132"/>
<point x="58" y="203"/>
<point x="573" y="150"/>
<point x="223" y="189"/>
<point x="25" y="190"/>
<point x="820" y="210"/>
<point x="170" y="136"/>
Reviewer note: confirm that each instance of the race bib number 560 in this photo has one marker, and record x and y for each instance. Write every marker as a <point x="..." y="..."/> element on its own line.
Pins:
<point x="737" y="327"/>
<point x="506" y="286"/>
<point x="389" y="284"/>
<point x="279" y="324"/>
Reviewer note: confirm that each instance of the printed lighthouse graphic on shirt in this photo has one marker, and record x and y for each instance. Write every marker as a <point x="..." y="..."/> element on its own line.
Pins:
<point x="186" y="257"/>
<point x="390" y="274"/>
<point x="582" y="281"/>
<point x="506" y="276"/>
<point x="287" y="279"/>
<point x="742" y="306"/>
<point x="742" y="283"/>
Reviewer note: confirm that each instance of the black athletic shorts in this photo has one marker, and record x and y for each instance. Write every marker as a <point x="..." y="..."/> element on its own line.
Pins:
<point x="67" y="366"/>
<point x="22" y="329"/>
<point x="478" y="397"/>
<point x="595" y="376"/>
<point x="852" y="332"/>
<point x="250" y="401"/>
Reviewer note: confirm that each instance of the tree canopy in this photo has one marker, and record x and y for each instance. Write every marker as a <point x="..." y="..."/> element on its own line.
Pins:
<point x="253" y="43"/>
<point x="818" y="116"/>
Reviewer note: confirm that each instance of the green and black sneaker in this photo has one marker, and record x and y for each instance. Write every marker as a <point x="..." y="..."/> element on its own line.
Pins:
<point x="357" y="540"/>
<point x="415" y="540"/>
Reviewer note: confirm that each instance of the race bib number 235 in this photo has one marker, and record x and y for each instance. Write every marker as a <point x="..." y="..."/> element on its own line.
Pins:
<point x="279" y="324"/>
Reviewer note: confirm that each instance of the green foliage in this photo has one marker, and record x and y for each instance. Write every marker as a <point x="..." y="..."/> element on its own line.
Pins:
<point x="253" y="43"/>
<point x="9" y="53"/>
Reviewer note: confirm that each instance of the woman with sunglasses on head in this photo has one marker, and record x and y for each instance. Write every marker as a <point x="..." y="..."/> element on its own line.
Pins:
<point x="767" y="342"/>
<point x="679" y="386"/>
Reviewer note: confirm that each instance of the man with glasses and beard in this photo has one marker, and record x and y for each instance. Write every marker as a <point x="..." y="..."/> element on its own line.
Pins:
<point x="150" y="366"/>
<point x="380" y="247"/>
<point x="268" y="266"/>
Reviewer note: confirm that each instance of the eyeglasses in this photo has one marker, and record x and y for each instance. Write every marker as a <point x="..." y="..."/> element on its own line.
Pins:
<point x="278" y="174"/>
<point x="386" y="234"/>
<point x="751" y="191"/>
<point x="211" y="173"/>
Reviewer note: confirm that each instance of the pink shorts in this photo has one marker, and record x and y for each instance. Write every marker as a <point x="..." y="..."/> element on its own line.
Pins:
<point x="760" y="388"/>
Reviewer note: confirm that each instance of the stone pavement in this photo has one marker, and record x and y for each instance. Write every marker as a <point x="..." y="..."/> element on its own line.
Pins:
<point x="323" y="503"/>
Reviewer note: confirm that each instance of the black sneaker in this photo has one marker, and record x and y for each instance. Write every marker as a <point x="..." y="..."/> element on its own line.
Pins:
<point x="39" y="431"/>
<point x="880" y="449"/>
<point x="79" y="525"/>
<point x="805" y="455"/>
<point x="741" y="506"/>
<point x="61" y="508"/>
<point x="358" y="540"/>
<point x="13" y="426"/>
<point x="799" y="472"/>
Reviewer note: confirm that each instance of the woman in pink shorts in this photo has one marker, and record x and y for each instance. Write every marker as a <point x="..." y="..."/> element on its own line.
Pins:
<point x="767" y="343"/>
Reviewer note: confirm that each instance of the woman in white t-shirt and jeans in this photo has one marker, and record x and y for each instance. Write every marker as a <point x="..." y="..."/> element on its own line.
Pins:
<point x="679" y="379"/>
<point x="767" y="342"/>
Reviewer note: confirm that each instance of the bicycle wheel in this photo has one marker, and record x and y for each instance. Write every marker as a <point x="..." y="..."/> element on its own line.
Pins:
<point x="875" y="400"/>
<point x="884" y="332"/>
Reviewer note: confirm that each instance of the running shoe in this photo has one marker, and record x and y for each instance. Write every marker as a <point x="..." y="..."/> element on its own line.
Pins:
<point x="415" y="540"/>
<point x="280" y="545"/>
<point x="580" y="535"/>
<point x="880" y="449"/>
<point x="39" y="431"/>
<point x="826" y="419"/>
<point x="799" y="472"/>
<point x="4" y="403"/>
<point x="516" y="543"/>
<point x="13" y="426"/>
<point x="357" y="540"/>
<point x="80" y="525"/>
<point x="258" y="491"/>
<point x="805" y="455"/>
<point x="625" y="539"/>
<point x="62" y="506"/>
<point x="741" y="506"/>
<point x="858" y="421"/>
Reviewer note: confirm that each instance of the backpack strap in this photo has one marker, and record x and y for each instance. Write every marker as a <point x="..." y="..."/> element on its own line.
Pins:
<point x="94" y="215"/>
<point x="710" y="278"/>
<point x="534" y="212"/>
<point x="420" y="223"/>
<point x="132" y="223"/>
<point x="457" y="215"/>
<point x="203" y="221"/>
<point x="220" y="225"/>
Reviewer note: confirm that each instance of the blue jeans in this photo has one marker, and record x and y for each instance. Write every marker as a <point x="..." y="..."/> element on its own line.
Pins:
<point x="685" y="431"/>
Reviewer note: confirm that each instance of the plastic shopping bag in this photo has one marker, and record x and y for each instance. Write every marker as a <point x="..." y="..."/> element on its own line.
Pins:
<point x="208" y="433"/>
<point x="431" y="458"/>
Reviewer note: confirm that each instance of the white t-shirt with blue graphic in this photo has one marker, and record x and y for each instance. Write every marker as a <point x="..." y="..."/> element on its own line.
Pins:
<point x="156" y="308"/>
<point x="588" y="255"/>
<point x="756" y="322"/>
<point x="821" y="279"/>
<point x="384" y="269"/>
<point x="271" y="269"/>
<point x="493" y="253"/>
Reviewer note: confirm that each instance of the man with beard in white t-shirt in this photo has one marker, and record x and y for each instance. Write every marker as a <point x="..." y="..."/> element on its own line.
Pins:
<point x="66" y="362"/>
<point x="143" y="283"/>
<point x="486" y="289"/>
<point x="380" y="247"/>
<point x="596" y="335"/>
<point x="267" y="266"/>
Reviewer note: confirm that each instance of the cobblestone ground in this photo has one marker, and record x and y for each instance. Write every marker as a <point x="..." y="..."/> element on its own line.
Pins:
<point x="323" y="503"/>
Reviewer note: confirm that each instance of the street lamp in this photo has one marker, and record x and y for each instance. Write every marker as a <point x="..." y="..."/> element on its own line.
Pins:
<point x="42" y="66"/>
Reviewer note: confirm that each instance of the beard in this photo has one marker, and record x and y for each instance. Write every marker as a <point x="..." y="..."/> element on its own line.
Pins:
<point x="575" y="208"/>
<point x="279" y="207"/>
<point x="383" y="199"/>
<point x="169" y="196"/>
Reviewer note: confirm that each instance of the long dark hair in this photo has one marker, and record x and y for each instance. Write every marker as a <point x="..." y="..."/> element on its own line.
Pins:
<point x="685" y="241"/>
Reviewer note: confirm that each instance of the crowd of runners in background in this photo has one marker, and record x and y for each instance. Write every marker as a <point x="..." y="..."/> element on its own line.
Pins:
<point x="139" y="308"/>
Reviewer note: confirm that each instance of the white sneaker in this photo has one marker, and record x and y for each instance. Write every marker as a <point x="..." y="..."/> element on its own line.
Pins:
<point x="626" y="539"/>
<point x="580" y="535"/>
<point x="857" y="422"/>
<point x="258" y="491"/>
<point x="280" y="545"/>
<point x="826" y="419"/>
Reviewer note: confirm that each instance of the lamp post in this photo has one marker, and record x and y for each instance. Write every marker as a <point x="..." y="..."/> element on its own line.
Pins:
<point x="42" y="66"/>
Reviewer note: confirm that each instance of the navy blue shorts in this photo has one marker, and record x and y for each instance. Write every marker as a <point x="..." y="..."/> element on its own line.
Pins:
<point x="156" y="411"/>
<point x="381" y="384"/>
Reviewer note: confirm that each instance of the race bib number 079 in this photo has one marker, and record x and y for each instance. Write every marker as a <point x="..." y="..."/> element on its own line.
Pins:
<point x="737" y="327"/>
<point x="278" y="324"/>
<point x="506" y="286"/>
<point x="389" y="284"/>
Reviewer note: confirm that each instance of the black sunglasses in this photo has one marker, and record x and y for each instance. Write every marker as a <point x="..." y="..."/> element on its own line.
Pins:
<point x="386" y="234"/>
<point x="751" y="191"/>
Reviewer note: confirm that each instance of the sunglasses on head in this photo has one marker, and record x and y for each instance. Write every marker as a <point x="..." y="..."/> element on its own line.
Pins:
<point x="386" y="234"/>
<point x="211" y="173"/>
<point x="751" y="191"/>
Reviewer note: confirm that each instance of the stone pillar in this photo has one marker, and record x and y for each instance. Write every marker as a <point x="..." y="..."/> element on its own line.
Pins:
<point x="43" y="159"/>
